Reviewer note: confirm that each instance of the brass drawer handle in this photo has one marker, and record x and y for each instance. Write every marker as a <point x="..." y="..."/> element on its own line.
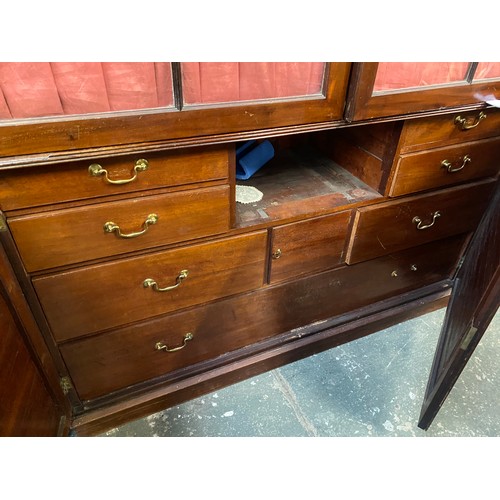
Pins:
<point x="160" y="346"/>
<point x="152" y="283"/>
<point x="111" y="227"/>
<point x="96" y="170"/>
<point x="418" y="221"/>
<point x="449" y="166"/>
<point x="276" y="254"/>
<point x="464" y="123"/>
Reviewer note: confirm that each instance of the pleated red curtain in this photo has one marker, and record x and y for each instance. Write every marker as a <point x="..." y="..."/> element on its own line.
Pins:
<point x="393" y="76"/>
<point x="47" y="89"/>
<point x="212" y="82"/>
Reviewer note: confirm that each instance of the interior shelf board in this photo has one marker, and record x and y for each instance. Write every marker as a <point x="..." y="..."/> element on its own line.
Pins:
<point x="301" y="183"/>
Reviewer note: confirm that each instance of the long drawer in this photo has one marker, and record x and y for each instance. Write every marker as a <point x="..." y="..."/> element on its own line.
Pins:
<point x="114" y="360"/>
<point x="80" y="234"/>
<point x="454" y="128"/>
<point x="108" y="295"/>
<point x="395" y="225"/>
<point x="30" y="187"/>
<point x="441" y="167"/>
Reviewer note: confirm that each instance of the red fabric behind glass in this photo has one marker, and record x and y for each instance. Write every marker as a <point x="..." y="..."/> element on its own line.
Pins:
<point x="130" y="85"/>
<point x="487" y="70"/>
<point x="47" y="89"/>
<point x="214" y="82"/>
<point x="81" y="87"/>
<point x="4" y="109"/>
<point x="29" y="89"/>
<point x="164" y="84"/>
<point x="393" y="76"/>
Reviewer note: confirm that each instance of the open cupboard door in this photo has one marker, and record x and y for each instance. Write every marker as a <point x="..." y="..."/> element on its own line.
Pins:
<point x="29" y="404"/>
<point x="473" y="303"/>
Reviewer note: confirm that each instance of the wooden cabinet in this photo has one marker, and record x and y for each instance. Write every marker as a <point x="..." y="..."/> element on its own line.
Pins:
<point x="149" y="283"/>
<point x="389" y="89"/>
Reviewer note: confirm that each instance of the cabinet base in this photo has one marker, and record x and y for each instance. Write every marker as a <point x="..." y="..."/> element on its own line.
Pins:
<point x="289" y="347"/>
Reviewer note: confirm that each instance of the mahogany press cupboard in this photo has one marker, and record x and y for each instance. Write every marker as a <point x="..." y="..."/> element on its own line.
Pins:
<point x="132" y="278"/>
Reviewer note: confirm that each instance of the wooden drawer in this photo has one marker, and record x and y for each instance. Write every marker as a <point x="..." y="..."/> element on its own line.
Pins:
<point x="464" y="162"/>
<point x="309" y="246"/>
<point x="62" y="237"/>
<point x="107" y="295"/>
<point x="30" y="187"/>
<point x="392" y="226"/>
<point x="115" y="360"/>
<point x="442" y="130"/>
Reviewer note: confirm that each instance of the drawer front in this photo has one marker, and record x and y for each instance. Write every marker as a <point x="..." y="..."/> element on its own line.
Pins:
<point x="114" y="360"/>
<point x="309" y="246"/>
<point x="444" y="130"/>
<point x="396" y="225"/>
<point x="29" y="187"/>
<point x="108" y="295"/>
<point x="446" y="166"/>
<point x="75" y="235"/>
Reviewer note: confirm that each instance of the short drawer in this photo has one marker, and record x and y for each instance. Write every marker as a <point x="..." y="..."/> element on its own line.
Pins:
<point x="449" y="129"/>
<point x="108" y="295"/>
<point x="123" y="357"/>
<point x="35" y="186"/>
<point x="69" y="236"/>
<point x="309" y="246"/>
<point x="395" y="225"/>
<point x="442" y="167"/>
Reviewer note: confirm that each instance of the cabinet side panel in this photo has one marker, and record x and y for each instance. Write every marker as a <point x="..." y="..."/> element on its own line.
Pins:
<point x="26" y="408"/>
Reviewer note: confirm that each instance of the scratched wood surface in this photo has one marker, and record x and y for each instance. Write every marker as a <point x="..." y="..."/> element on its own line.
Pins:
<point x="301" y="183"/>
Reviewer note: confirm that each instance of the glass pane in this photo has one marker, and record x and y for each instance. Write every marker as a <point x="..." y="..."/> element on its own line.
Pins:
<point x="399" y="76"/>
<point x="47" y="89"/>
<point x="487" y="70"/>
<point x="212" y="82"/>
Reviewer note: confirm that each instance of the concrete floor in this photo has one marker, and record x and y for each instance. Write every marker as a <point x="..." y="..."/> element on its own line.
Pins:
<point x="373" y="386"/>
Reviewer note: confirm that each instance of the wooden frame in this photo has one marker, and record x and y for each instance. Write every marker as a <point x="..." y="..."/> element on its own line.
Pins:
<point x="363" y="105"/>
<point x="41" y="135"/>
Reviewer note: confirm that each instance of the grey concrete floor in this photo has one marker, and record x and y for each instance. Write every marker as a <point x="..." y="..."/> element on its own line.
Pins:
<point x="373" y="386"/>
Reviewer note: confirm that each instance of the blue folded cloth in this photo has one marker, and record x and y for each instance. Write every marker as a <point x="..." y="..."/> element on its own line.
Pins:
<point x="251" y="157"/>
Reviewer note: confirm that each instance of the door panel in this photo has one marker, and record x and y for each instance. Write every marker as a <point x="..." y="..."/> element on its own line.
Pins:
<point x="391" y="89"/>
<point x="26" y="408"/>
<point x="474" y="302"/>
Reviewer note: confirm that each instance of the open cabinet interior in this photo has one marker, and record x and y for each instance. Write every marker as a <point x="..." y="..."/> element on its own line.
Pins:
<point x="317" y="173"/>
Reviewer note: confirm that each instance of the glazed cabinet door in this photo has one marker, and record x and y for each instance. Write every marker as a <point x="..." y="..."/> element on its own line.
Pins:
<point x="60" y="101"/>
<point x="283" y="88"/>
<point x="399" y="88"/>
